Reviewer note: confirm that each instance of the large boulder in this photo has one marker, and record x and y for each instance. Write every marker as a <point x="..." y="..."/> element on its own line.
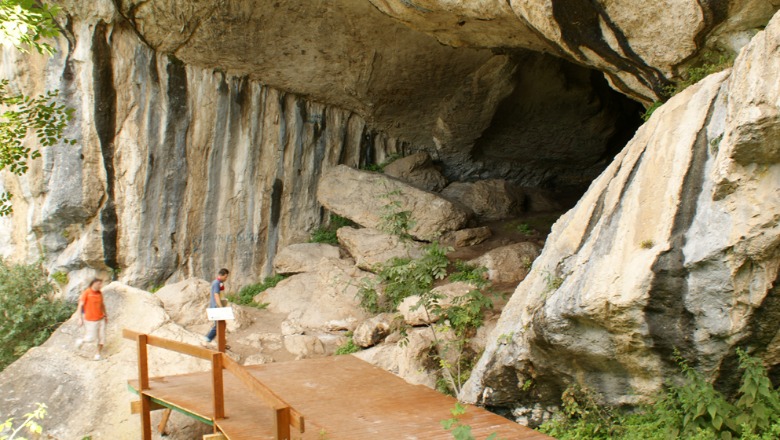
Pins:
<point x="186" y="303"/>
<point x="371" y="248"/>
<point x="411" y="360"/>
<point x="321" y="299"/>
<point x="489" y="199"/>
<point x="417" y="170"/>
<point x="675" y="248"/>
<point x="370" y="198"/>
<point x="90" y="398"/>
<point x="508" y="264"/>
<point x="303" y="257"/>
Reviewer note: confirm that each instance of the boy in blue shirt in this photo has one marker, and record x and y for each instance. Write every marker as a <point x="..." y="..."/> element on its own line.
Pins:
<point x="217" y="286"/>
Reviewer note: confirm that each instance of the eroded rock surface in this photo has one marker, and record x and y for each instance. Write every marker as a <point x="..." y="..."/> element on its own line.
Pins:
<point x="417" y="170"/>
<point x="303" y="257"/>
<point x="374" y="200"/>
<point x="675" y="247"/>
<point x="90" y="398"/>
<point x="371" y="248"/>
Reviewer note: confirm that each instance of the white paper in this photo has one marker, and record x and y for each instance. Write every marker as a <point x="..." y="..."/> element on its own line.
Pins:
<point x="220" y="313"/>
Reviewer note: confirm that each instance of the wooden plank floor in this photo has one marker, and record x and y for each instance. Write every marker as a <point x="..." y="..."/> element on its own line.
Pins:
<point x="341" y="398"/>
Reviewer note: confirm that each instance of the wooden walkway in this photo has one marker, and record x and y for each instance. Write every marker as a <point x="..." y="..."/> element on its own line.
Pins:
<point x="341" y="398"/>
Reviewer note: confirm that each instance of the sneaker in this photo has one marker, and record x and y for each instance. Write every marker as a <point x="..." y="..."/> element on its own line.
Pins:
<point x="97" y="357"/>
<point x="206" y="343"/>
<point x="79" y="343"/>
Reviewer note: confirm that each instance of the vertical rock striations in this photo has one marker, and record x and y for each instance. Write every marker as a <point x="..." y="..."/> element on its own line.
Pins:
<point x="676" y="246"/>
<point x="178" y="170"/>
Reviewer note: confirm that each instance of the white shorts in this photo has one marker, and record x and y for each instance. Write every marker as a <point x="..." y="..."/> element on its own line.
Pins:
<point x="95" y="331"/>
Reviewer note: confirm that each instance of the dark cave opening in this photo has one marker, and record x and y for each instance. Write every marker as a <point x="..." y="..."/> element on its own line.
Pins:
<point x="557" y="130"/>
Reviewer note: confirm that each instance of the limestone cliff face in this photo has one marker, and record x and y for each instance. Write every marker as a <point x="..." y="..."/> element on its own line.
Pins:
<point x="178" y="170"/>
<point x="675" y="246"/>
<point x="193" y="152"/>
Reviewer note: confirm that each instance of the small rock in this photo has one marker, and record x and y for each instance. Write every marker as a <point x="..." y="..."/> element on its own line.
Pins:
<point x="539" y="200"/>
<point x="417" y="170"/>
<point x="303" y="257"/>
<point x="371" y="331"/>
<point x="508" y="264"/>
<point x="291" y="327"/>
<point x="257" y="359"/>
<point x="467" y="237"/>
<point x="489" y="199"/>
<point x="262" y="341"/>
<point x="304" y="346"/>
<point x="370" y="247"/>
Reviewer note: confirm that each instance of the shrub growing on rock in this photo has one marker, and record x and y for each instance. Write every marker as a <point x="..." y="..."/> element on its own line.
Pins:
<point x="28" y="310"/>
<point x="693" y="409"/>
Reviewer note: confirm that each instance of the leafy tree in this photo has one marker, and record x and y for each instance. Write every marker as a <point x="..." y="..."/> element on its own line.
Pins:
<point x="30" y="424"/>
<point x="28" y="312"/>
<point x="26" y="25"/>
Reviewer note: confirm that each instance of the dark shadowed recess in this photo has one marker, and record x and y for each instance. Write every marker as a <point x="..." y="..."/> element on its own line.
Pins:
<point x="559" y="129"/>
<point x="105" y="126"/>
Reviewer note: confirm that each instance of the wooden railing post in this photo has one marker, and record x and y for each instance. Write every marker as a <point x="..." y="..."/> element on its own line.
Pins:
<point x="217" y="387"/>
<point x="143" y="384"/>
<point x="282" y="422"/>
<point x="221" y="337"/>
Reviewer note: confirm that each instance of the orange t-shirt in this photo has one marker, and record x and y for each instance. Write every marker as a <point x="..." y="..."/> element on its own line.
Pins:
<point x="93" y="305"/>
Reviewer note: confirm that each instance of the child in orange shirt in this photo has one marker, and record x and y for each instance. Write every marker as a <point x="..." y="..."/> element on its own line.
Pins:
<point x="92" y="315"/>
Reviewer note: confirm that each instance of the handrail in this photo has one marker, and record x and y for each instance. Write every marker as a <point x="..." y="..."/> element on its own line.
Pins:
<point x="168" y="344"/>
<point x="285" y="415"/>
<point x="265" y="393"/>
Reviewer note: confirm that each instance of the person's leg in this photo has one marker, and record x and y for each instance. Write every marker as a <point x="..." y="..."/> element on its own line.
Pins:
<point x="90" y="333"/>
<point x="212" y="333"/>
<point x="101" y="338"/>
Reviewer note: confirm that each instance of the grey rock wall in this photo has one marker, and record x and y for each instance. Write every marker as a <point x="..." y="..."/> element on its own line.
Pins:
<point x="676" y="246"/>
<point x="178" y="170"/>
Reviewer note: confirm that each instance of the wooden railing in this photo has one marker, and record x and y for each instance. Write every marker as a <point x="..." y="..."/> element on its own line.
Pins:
<point x="285" y="416"/>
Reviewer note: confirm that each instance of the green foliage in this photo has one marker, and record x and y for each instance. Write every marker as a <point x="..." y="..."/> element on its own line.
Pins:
<point x="60" y="277"/>
<point x="380" y="167"/>
<point x="155" y="287"/>
<point x="525" y="229"/>
<point x="695" y="74"/>
<point x="349" y="347"/>
<point x="650" y="110"/>
<point x="28" y="312"/>
<point x="25" y="24"/>
<point x="246" y="296"/>
<point x="469" y="273"/>
<point x="401" y="278"/>
<point x="690" y="410"/>
<point x="23" y="114"/>
<point x="466" y="311"/>
<point x="394" y="220"/>
<point x="458" y="430"/>
<point x="647" y="244"/>
<point x="30" y="424"/>
<point x="327" y="234"/>
<point x="712" y="63"/>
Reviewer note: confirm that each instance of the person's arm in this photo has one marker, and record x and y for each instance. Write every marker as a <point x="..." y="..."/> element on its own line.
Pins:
<point x="80" y="311"/>
<point x="215" y="296"/>
<point x="103" y="309"/>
